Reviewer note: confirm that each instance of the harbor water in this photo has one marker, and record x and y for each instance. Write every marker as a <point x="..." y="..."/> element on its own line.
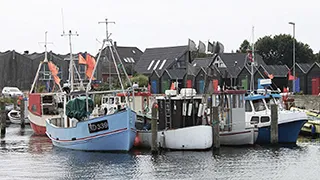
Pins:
<point x="26" y="156"/>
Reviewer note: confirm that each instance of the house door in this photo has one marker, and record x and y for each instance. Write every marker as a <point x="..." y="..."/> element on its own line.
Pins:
<point x="154" y="87"/>
<point x="215" y="83"/>
<point x="189" y="83"/>
<point x="315" y="86"/>
<point x="244" y="83"/>
<point x="165" y="85"/>
<point x="201" y="87"/>
<point x="297" y="85"/>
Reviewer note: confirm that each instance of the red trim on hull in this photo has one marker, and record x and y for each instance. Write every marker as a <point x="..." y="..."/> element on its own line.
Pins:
<point x="243" y="132"/>
<point x="89" y="137"/>
<point x="38" y="130"/>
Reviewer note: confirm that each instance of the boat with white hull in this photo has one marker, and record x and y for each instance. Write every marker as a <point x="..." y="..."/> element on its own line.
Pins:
<point x="190" y="129"/>
<point x="15" y="117"/>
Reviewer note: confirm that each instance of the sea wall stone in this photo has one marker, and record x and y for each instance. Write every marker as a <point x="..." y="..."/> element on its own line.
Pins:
<point x="307" y="101"/>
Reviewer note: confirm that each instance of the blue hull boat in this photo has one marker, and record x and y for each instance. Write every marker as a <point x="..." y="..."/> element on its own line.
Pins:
<point x="115" y="132"/>
<point x="287" y="132"/>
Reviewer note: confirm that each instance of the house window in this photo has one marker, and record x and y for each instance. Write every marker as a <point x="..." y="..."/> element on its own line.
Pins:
<point x="156" y="65"/>
<point x="150" y="65"/>
<point x="162" y="64"/>
<point x="45" y="73"/>
<point x="82" y="71"/>
<point x="132" y="60"/>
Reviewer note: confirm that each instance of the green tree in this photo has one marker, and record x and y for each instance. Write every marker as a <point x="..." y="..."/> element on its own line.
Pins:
<point x="141" y="79"/>
<point x="245" y="45"/>
<point x="279" y="50"/>
<point x="317" y="57"/>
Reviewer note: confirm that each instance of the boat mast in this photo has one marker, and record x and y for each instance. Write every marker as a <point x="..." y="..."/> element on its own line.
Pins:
<point x="71" y="69"/>
<point x="40" y="65"/>
<point x="252" y="63"/>
<point x="107" y="39"/>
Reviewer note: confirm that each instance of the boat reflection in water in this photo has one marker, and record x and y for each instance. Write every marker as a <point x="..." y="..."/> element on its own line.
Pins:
<point x="39" y="144"/>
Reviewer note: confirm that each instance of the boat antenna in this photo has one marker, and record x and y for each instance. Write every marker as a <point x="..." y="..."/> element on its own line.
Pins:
<point x="252" y="63"/>
<point x="107" y="38"/>
<point x="71" y="68"/>
<point x="62" y="18"/>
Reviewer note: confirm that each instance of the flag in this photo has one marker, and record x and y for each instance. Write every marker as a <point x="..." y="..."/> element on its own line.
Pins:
<point x="56" y="79"/>
<point x="201" y="47"/>
<point x="210" y="47"/>
<point x="54" y="71"/>
<point x="91" y="62"/>
<point x="192" y="46"/>
<point x="221" y="47"/>
<point x="81" y="58"/>
<point x="290" y="76"/>
<point x="172" y="86"/>
<point x="270" y="76"/>
<point x="249" y="56"/>
<point x="53" y="68"/>
<point x="218" y="47"/>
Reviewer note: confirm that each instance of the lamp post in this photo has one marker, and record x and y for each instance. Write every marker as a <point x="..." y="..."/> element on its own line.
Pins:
<point x="294" y="57"/>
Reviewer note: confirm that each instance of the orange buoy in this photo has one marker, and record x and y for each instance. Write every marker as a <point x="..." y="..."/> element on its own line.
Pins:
<point x="136" y="141"/>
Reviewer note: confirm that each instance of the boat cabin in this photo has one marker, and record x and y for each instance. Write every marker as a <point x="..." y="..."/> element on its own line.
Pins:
<point x="44" y="104"/>
<point x="258" y="108"/>
<point x="231" y="109"/>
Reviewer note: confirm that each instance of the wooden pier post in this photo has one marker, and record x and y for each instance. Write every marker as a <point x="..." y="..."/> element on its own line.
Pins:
<point x="215" y="127"/>
<point x="214" y="118"/>
<point x="274" y="124"/>
<point x="2" y="118"/>
<point x="154" y="129"/>
<point x="22" y="109"/>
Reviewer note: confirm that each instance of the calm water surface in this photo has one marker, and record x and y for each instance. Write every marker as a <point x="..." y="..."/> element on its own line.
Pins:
<point x="26" y="156"/>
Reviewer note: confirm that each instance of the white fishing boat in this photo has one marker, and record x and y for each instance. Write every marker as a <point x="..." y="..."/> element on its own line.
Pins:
<point x="183" y="125"/>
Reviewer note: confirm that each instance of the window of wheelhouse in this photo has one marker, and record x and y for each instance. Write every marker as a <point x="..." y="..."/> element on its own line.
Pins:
<point x="254" y="120"/>
<point x="248" y="107"/>
<point x="259" y="105"/>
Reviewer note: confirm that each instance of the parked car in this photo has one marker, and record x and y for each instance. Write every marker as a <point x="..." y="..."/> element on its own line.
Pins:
<point x="11" y="92"/>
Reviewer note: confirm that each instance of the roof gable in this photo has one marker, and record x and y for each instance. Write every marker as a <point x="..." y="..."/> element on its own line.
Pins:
<point x="304" y="66"/>
<point x="159" y="58"/>
<point x="234" y="62"/>
<point x="316" y="64"/>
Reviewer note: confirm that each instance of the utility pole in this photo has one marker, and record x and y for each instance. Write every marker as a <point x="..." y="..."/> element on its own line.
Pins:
<point x="71" y="70"/>
<point x="294" y="57"/>
<point x="107" y="39"/>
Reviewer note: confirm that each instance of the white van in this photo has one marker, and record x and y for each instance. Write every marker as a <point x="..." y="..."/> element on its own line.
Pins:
<point x="11" y="92"/>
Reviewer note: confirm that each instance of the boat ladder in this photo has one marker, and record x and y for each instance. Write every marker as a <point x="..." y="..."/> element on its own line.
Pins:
<point x="168" y="112"/>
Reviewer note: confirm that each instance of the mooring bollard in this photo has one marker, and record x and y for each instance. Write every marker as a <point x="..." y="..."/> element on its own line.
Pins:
<point x="274" y="124"/>
<point x="22" y="109"/>
<point x="154" y="129"/>
<point x="2" y="118"/>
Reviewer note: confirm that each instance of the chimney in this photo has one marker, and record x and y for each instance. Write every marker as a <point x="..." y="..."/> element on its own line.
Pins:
<point x="26" y="52"/>
<point x="115" y="44"/>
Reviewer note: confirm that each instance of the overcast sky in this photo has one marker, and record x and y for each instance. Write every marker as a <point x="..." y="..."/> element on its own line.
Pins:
<point x="149" y="23"/>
